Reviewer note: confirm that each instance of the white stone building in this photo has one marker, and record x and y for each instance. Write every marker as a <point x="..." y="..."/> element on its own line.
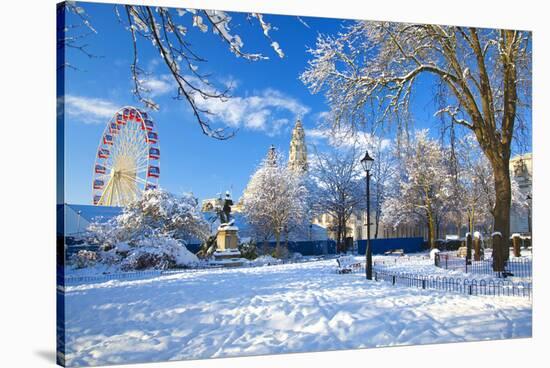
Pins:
<point x="521" y="167"/>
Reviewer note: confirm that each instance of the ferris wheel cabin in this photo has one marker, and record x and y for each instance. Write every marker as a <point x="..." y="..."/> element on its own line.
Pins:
<point x="147" y="125"/>
<point x="114" y="128"/>
<point x="154" y="153"/>
<point x="108" y="139"/>
<point x="103" y="153"/>
<point x="120" y="119"/>
<point x="153" y="172"/>
<point x="152" y="137"/>
<point x="98" y="184"/>
<point x="97" y="198"/>
<point x="100" y="169"/>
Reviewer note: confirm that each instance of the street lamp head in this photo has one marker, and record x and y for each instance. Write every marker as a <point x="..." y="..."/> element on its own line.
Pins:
<point x="367" y="161"/>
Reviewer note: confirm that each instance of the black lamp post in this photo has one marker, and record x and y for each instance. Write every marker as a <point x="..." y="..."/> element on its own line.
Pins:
<point x="367" y="162"/>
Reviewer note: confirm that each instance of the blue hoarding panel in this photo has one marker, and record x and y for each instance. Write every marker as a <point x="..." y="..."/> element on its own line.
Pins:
<point x="379" y="246"/>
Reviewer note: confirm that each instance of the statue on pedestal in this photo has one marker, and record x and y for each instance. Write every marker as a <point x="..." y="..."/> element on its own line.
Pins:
<point x="227" y="233"/>
<point x="226" y="252"/>
<point x="224" y="210"/>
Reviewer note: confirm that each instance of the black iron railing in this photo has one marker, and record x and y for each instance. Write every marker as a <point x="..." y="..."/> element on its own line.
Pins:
<point x="458" y="285"/>
<point x="516" y="267"/>
<point x="468" y="286"/>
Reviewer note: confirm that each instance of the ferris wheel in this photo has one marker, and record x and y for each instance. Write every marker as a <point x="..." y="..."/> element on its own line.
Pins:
<point x="127" y="159"/>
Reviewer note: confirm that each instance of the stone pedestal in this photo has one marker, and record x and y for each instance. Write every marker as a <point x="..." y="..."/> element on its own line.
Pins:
<point x="227" y="253"/>
<point x="227" y="238"/>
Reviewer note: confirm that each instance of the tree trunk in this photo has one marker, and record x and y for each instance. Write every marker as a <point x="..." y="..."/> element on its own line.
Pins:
<point x="438" y="228"/>
<point x="344" y="236"/>
<point x="277" y="239"/>
<point x="503" y="202"/>
<point x="477" y="249"/>
<point x="286" y="237"/>
<point x="516" y="242"/>
<point x="468" y="248"/>
<point x="498" y="260"/>
<point x="266" y="246"/>
<point x="339" y="236"/>
<point x="431" y="231"/>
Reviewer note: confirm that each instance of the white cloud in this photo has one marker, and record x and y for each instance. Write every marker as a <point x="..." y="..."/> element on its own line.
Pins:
<point x="157" y="86"/>
<point x="318" y="134"/>
<point x="261" y="112"/>
<point x="345" y="140"/>
<point x="89" y="110"/>
<point x="256" y="120"/>
<point x="322" y="117"/>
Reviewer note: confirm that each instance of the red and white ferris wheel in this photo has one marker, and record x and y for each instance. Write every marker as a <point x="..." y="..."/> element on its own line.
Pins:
<point x="127" y="159"/>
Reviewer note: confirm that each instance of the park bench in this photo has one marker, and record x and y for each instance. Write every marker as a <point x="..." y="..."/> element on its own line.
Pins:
<point x="347" y="264"/>
<point x="394" y="252"/>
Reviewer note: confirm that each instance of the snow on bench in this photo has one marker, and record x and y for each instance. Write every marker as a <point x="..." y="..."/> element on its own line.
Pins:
<point x="394" y="252"/>
<point x="346" y="264"/>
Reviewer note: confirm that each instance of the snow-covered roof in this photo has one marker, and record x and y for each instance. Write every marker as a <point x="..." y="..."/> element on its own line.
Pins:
<point x="95" y="213"/>
<point x="77" y="217"/>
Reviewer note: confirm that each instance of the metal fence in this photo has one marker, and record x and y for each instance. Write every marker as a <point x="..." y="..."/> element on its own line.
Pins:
<point x="458" y="285"/>
<point x="73" y="280"/>
<point x="500" y="287"/>
<point x="516" y="267"/>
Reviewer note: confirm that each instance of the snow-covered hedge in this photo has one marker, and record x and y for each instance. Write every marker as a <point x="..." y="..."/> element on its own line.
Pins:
<point x="84" y="258"/>
<point x="150" y="233"/>
<point x="158" y="253"/>
<point x="248" y="249"/>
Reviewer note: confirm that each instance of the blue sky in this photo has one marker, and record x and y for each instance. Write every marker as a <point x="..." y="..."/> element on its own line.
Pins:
<point x="190" y="160"/>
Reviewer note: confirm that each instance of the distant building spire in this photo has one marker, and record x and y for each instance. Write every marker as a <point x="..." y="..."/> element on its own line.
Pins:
<point x="297" y="156"/>
<point x="272" y="156"/>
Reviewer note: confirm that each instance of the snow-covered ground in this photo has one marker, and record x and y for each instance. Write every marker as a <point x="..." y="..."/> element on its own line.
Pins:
<point x="99" y="270"/>
<point x="272" y="309"/>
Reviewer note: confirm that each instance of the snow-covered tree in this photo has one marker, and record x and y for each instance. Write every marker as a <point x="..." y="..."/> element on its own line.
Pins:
<point x="151" y="232"/>
<point x="160" y="212"/>
<point x="275" y="200"/>
<point x="340" y="188"/>
<point x="382" y="173"/>
<point x="167" y="31"/>
<point x="473" y="185"/>
<point x="483" y="78"/>
<point x="423" y="186"/>
<point x="475" y="196"/>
